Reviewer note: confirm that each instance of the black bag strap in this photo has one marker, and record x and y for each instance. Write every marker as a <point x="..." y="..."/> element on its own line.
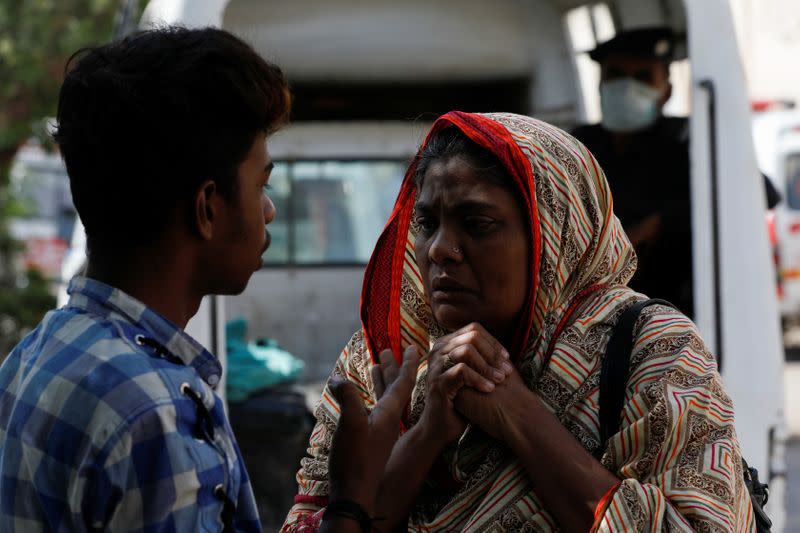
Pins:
<point x="616" y="367"/>
<point x="759" y="494"/>
<point x="614" y="374"/>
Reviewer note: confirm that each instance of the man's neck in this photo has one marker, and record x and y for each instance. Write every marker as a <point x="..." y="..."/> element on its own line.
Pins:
<point x="622" y="141"/>
<point x="158" y="281"/>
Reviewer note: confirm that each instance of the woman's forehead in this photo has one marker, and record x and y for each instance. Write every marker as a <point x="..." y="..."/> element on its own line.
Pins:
<point x="458" y="182"/>
<point x="460" y="169"/>
<point x="454" y="172"/>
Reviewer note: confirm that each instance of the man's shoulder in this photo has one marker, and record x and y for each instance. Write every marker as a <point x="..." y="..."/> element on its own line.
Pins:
<point x="594" y="136"/>
<point x="589" y="131"/>
<point x="84" y="370"/>
<point x="675" y="128"/>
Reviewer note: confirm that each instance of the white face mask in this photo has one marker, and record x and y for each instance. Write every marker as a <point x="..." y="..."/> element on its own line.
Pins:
<point x="628" y="105"/>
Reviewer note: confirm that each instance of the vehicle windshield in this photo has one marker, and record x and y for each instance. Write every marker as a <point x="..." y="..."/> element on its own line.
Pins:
<point x="329" y="211"/>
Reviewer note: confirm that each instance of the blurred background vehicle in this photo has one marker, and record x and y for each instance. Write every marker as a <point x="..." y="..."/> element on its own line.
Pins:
<point x="776" y="136"/>
<point x="368" y="80"/>
<point x="46" y="216"/>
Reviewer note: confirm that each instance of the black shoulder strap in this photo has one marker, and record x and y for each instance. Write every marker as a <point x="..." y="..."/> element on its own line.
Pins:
<point x="614" y="382"/>
<point x="616" y="367"/>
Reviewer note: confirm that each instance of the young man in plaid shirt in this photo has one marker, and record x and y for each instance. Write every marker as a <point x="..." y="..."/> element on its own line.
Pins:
<point x="108" y="416"/>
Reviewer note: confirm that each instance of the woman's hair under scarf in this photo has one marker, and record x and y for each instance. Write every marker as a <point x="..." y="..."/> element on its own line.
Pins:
<point x="577" y="242"/>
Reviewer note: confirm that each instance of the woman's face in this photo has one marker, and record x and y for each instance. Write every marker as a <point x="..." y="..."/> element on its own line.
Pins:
<point x="472" y="249"/>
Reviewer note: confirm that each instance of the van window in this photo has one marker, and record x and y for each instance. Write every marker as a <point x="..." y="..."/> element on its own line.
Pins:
<point x="793" y="181"/>
<point x="330" y="212"/>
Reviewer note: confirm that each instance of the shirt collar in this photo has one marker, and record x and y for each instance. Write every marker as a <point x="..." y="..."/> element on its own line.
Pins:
<point x="108" y="302"/>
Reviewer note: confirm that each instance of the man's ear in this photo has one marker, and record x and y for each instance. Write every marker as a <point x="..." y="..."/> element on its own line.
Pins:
<point x="206" y="209"/>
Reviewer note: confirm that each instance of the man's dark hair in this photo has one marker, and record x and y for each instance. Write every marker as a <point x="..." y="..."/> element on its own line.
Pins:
<point x="142" y="122"/>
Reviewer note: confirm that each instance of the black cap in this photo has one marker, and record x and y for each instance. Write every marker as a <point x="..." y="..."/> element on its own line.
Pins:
<point x="656" y="42"/>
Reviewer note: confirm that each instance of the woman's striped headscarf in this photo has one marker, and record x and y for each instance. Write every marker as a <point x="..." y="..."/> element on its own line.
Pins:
<point x="577" y="241"/>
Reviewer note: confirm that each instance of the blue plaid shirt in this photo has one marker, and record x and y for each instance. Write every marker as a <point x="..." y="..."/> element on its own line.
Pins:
<point x="109" y="421"/>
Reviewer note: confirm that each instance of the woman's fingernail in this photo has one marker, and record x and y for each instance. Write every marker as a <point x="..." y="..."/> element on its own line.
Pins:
<point x="505" y="354"/>
<point x="498" y="376"/>
<point x="507" y="368"/>
<point x="489" y="386"/>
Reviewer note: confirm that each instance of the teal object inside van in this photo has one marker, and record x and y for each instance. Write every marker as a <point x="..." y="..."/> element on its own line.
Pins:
<point x="256" y="365"/>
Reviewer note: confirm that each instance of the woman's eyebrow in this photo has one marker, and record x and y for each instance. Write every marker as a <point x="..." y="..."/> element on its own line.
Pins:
<point x="422" y="206"/>
<point x="474" y="205"/>
<point x="465" y="205"/>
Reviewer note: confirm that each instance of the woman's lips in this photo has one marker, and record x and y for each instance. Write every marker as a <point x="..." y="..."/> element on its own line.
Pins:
<point x="446" y="288"/>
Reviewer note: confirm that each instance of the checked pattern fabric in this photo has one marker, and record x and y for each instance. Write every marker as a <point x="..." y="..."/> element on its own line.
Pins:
<point x="99" y="430"/>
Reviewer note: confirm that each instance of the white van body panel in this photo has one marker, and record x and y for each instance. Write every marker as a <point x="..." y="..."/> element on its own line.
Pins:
<point x="189" y="13"/>
<point x="348" y="140"/>
<point x="744" y="330"/>
<point x="416" y="41"/>
<point x="396" y="41"/>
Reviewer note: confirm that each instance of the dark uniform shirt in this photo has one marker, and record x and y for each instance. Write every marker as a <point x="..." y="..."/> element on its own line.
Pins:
<point x="652" y="177"/>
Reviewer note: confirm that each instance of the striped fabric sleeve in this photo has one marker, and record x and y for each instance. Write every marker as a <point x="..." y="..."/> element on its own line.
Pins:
<point x="312" y="478"/>
<point x="677" y="452"/>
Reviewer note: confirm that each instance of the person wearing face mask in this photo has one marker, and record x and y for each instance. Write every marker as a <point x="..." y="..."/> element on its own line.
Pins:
<point x="646" y="159"/>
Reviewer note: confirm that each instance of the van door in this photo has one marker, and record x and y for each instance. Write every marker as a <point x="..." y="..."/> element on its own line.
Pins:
<point x="734" y="289"/>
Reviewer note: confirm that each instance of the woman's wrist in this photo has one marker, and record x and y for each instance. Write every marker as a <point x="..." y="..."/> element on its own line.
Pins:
<point x="343" y="510"/>
<point x="362" y="495"/>
<point x="429" y="436"/>
<point x="519" y="418"/>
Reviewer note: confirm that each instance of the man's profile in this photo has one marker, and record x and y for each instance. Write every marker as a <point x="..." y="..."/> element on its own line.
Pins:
<point x="108" y="415"/>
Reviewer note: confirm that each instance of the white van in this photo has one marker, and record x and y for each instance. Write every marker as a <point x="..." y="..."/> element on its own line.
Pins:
<point x="369" y="77"/>
<point x="777" y="140"/>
